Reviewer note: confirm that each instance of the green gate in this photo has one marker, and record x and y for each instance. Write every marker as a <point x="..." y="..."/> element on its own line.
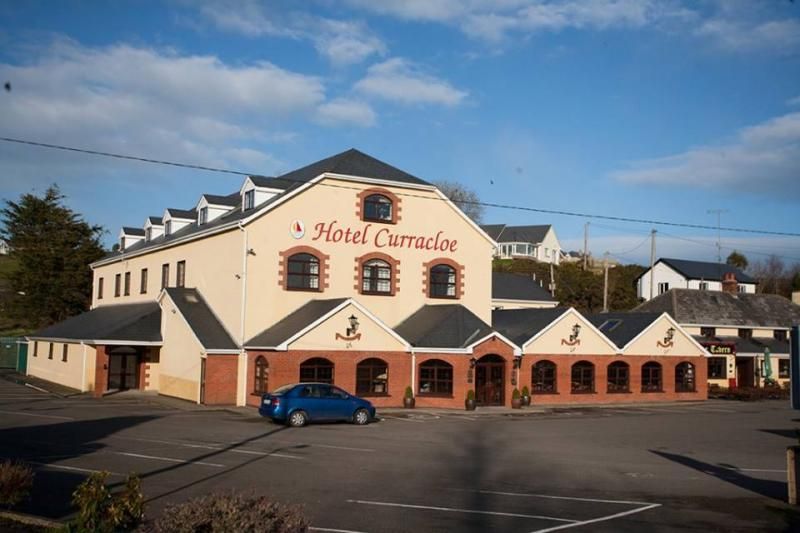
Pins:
<point x="9" y="349"/>
<point x="22" y="356"/>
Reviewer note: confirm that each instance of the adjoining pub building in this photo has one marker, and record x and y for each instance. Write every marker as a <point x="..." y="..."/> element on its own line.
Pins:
<point x="353" y="272"/>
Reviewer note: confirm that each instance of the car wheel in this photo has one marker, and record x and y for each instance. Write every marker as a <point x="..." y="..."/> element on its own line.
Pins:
<point x="298" y="419"/>
<point x="361" y="417"/>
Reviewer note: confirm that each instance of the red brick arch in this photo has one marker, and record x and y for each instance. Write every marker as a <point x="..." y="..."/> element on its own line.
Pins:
<point x="396" y="204"/>
<point x="426" y="269"/>
<point x="283" y="267"/>
<point x="359" y="271"/>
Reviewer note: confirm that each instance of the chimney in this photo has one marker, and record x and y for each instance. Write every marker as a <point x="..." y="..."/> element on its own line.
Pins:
<point x="729" y="283"/>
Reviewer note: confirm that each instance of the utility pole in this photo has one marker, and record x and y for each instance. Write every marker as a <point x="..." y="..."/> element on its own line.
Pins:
<point x="552" y="282"/>
<point x="718" y="212"/>
<point x="585" y="245"/>
<point x="652" y="260"/>
<point x="605" y="282"/>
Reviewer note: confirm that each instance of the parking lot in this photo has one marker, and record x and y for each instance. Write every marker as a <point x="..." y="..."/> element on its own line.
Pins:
<point x="716" y="466"/>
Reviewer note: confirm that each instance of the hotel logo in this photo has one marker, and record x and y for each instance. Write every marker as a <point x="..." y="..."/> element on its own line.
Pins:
<point x="297" y="229"/>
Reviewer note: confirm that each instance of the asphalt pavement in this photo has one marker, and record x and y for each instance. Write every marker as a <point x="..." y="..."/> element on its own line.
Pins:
<point x="708" y="466"/>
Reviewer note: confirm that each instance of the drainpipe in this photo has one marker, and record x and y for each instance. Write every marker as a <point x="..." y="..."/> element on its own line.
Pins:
<point x="84" y="388"/>
<point x="413" y="372"/>
<point x="243" y="313"/>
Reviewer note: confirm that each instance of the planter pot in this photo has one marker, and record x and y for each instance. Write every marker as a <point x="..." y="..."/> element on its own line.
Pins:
<point x="516" y="403"/>
<point x="469" y="405"/>
<point x="526" y="401"/>
<point x="408" y="403"/>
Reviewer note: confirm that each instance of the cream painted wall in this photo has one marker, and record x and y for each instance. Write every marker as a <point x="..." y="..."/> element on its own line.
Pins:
<point x="69" y="373"/>
<point x="212" y="265"/>
<point x="179" y="366"/>
<point x="591" y="343"/>
<point x="267" y="302"/>
<point x="648" y="343"/>
<point x="323" y="337"/>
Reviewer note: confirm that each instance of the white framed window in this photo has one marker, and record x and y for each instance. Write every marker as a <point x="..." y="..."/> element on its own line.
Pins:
<point x="249" y="199"/>
<point x="703" y="285"/>
<point x="148" y="234"/>
<point x="663" y="287"/>
<point x="741" y="288"/>
<point x="202" y="216"/>
<point x="168" y="227"/>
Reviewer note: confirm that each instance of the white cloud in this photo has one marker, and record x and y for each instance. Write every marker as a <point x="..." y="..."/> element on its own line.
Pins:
<point x="342" y="42"/>
<point x="344" y="111"/>
<point x="746" y="35"/>
<point x="763" y="158"/>
<point x="402" y="81"/>
<point x="793" y="101"/>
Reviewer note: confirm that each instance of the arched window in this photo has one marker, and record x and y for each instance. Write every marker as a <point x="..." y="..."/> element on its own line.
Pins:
<point x="317" y="370"/>
<point x="543" y="378"/>
<point x="261" y="383"/>
<point x="435" y="378"/>
<point x="684" y="377"/>
<point x="378" y="208"/>
<point x="303" y="272"/>
<point x="372" y="377"/>
<point x="619" y="377"/>
<point x="651" y="377"/>
<point x="582" y="377"/>
<point x="442" y="281"/>
<point x="376" y="277"/>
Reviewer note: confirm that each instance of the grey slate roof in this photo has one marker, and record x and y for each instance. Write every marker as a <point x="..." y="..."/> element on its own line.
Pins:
<point x="625" y="326"/>
<point x="717" y="308"/>
<point x="703" y="270"/>
<point x="139" y="322"/>
<point x="510" y="286"/>
<point x="504" y="233"/>
<point x="205" y="325"/>
<point x="285" y="328"/>
<point x="156" y="220"/>
<point x="752" y="345"/>
<point x="350" y="162"/>
<point x="443" y="326"/>
<point x="139" y="232"/>
<point x="519" y="325"/>
<point x="190" y="214"/>
<point x="231" y="200"/>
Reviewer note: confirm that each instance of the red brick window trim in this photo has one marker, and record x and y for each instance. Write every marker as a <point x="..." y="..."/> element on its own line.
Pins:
<point x="372" y="377"/>
<point x="371" y="277"/>
<point x="652" y="377"/>
<point x="433" y="280"/>
<point x="372" y="213"/>
<point x="321" y="275"/>
<point x="435" y="378"/>
<point x="544" y="377"/>
<point x="685" y="377"/>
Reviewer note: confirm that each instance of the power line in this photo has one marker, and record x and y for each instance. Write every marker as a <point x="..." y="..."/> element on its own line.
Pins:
<point x="737" y="248"/>
<point x="484" y="204"/>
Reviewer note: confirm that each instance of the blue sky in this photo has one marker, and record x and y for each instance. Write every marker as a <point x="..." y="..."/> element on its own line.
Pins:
<point x="659" y="110"/>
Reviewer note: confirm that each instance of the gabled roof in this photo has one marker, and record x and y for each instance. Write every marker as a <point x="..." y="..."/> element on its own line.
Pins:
<point x="504" y="233"/>
<point x="201" y="319"/>
<point x="231" y="200"/>
<point x="189" y="214"/>
<point x="138" y="232"/>
<point x="443" y="326"/>
<point x="752" y="345"/>
<point x="354" y="163"/>
<point x="295" y="322"/>
<point x="156" y="221"/>
<point x="718" y="308"/>
<point x="135" y="323"/>
<point x="703" y="270"/>
<point x="521" y="325"/>
<point x="508" y="286"/>
<point x="622" y="328"/>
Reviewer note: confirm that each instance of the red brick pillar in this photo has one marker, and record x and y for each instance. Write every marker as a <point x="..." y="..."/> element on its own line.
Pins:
<point x="100" y="372"/>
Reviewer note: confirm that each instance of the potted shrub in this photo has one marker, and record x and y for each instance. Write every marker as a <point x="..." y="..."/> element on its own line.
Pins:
<point x="516" y="399"/>
<point x="526" y="396"/>
<point x="469" y="403"/>
<point x="408" y="398"/>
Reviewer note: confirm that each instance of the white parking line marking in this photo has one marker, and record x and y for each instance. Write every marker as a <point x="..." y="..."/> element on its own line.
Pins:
<point x="403" y="419"/>
<point x="170" y="459"/>
<point x="783" y="471"/>
<point x="454" y="510"/>
<point x="552" y="497"/>
<point x="312" y="528"/>
<point x="74" y="468"/>
<point x="348" y="448"/>
<point x="711" y="409"/>
<point x="26" y="413"/>
<point x="601" y="519"/>
<point x="208" y="447"/>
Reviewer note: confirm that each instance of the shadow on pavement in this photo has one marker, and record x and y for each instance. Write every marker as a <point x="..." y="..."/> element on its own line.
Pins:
<point x="788" y="433"/>
<point x="764" y="487"/>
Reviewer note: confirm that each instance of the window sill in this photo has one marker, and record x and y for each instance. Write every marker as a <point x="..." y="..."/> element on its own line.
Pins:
<point x="433" y="395"/>
<point x="542" y="393"/>
<point x="373" y="394"/>
<point x="653" y="391"/>
<point x="583" y="392"/>
<point x="686" y="391"/>
<point x="443" y="297"/>
<point x="379" y="221"/>
<point x="618" y="392"/>
<point x="299" y="289"/>
<point x="372" y="293"/>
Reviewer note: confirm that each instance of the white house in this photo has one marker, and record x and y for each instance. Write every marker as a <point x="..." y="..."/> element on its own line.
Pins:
<point x="669" y="274"/>
<point x="525" y="242"/>
<point x="4" y="247"/>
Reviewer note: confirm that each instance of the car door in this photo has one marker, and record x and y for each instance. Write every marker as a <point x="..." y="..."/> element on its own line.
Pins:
<point x="311" y="400"/>
<point x="339" y="404"/>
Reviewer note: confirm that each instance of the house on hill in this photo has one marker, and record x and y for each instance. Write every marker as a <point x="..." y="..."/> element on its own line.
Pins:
<point x="525" y="242"/>
<point x="669" y="274"/>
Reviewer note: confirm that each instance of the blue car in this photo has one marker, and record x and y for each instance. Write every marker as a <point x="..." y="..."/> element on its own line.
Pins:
<point x="301" y="403"/>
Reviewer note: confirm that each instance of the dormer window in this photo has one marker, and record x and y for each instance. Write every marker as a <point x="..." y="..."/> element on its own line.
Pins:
<point x="377" y="208"/>
<point x="148" y="234"/>
<point x="122" y="244"/>
<point x="168" y="227"/>
<point x="249" y="199"/>
<point x="202" y="216"/>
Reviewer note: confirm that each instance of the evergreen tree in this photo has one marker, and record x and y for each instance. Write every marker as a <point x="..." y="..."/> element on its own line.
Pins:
<point x="53" y="247"/>
<point x="737" y="260"/>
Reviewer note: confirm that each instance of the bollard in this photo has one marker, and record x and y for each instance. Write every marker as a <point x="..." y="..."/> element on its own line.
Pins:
<point x="792" y="469"/>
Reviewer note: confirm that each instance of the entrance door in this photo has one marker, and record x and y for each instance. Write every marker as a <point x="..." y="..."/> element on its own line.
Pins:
<point x="745" y="372"/>
<point x="122" y="371"/>
<point x="490" y="373"/>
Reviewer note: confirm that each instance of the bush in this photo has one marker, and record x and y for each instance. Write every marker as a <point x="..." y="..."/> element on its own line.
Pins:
<point x="227" y="512"/>
<point x="409" y="392"/>
<point x="515" y="394"/>
<point x="470" y="394"/>
<point x="16" y="480"/>
<point x="526" y="391"/>
<point x="100" y="511"/>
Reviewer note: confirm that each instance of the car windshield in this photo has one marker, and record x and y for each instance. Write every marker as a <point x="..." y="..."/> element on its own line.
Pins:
<point x="282" y="390"/>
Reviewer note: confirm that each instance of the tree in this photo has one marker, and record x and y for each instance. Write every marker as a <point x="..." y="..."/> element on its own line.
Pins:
<point x="53" y="247"/>
<point x="737" y="260"/>
<point x="771" y="275"/>
<point x="466" y="199"/>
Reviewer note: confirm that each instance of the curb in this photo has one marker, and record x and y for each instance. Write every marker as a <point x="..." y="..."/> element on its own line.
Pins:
<point x="32" y="520"/>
